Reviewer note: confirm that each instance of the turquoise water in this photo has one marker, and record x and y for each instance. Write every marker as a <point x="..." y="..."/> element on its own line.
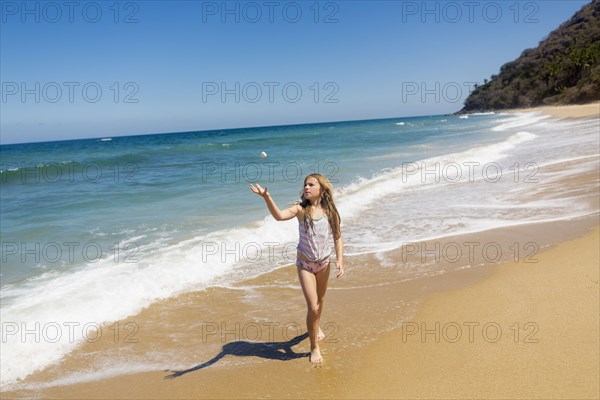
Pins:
<point x="143" y="218"/>
<point x="175" y="186"/>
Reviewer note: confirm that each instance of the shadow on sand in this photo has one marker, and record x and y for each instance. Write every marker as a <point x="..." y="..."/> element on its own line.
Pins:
<point x="272" y="350"/>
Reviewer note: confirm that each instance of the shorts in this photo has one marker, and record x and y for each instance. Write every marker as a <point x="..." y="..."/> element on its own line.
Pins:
<point x="313" y="266"/>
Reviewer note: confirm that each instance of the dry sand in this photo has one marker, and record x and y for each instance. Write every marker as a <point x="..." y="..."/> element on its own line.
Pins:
<point x="572" y="111"/>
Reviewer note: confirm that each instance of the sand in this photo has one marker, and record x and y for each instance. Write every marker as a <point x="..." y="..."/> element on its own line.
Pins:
<point x="571" y="111"/>
<point x="528" y="331"/>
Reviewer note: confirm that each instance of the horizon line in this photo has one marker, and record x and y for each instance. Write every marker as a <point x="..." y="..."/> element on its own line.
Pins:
<point x="218" y="129"/>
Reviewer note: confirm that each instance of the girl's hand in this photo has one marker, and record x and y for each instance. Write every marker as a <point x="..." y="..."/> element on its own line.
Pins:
<point x="340" y="268"/>
<point x="259" y="190"/>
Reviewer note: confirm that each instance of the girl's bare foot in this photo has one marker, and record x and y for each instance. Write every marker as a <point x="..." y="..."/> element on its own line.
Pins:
<point x="315" y="356"/>
<point x="320" y="335"/>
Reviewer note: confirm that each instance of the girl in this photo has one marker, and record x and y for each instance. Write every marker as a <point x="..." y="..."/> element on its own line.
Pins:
<point x="318" y="223"/>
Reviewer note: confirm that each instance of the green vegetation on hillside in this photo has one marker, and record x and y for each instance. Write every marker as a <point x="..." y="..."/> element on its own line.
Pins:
<point x="563" y="69"/>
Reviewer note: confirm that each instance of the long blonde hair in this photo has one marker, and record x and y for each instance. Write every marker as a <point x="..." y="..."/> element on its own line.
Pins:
<point x="327" y="204"/>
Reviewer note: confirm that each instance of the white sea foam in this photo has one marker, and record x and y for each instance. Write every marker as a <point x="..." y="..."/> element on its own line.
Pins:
<point x="520" y="120"/>
<point x="55" y="307"/>
<point x="365" y="191"/>
<point x="108" y="370"/>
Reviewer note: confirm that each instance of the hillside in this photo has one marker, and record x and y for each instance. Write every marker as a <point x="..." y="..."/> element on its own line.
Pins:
<point x="563" y="69"/>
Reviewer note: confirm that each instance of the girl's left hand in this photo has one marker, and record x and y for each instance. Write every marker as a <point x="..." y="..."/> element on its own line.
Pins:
<point x="340" y="268"/>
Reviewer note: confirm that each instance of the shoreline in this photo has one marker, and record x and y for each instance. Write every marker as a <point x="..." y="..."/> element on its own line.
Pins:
<point x="357" y="332"/>
<point x="566" y="111"/>
<point x="400" y="364"/>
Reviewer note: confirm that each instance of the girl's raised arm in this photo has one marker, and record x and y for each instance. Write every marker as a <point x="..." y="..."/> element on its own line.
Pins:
<point x="279" y="215"/>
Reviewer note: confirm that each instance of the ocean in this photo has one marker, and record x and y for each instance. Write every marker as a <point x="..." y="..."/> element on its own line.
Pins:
<point x="95" y="230"/>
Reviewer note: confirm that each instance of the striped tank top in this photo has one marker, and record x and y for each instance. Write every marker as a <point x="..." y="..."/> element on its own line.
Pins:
<point x="316" y="244"/>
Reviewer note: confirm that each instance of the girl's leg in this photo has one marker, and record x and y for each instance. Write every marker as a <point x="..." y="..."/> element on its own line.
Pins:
<point x="313" y="287"/>
<point x="322" y="279"/>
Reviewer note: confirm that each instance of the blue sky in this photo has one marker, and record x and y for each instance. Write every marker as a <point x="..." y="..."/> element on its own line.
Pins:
<point x="105" y="68"/>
